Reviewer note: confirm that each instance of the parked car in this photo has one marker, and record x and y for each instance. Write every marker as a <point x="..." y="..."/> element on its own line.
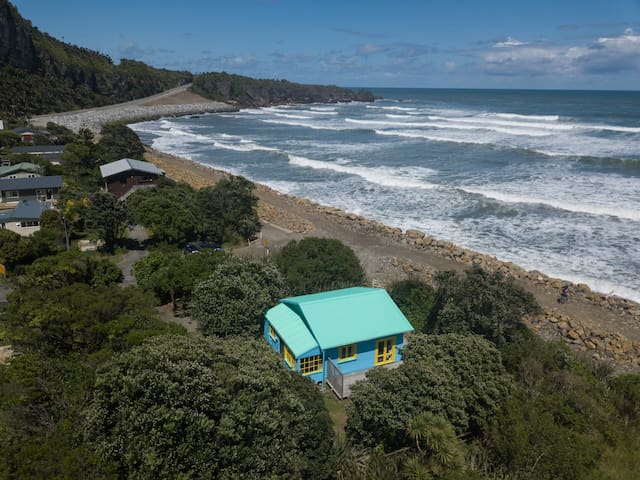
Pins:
<point x="197" y="247"/>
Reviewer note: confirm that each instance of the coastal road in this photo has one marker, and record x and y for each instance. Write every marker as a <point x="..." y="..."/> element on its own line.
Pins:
<point x="174" y="102"/>
<point x="41" y="120"/>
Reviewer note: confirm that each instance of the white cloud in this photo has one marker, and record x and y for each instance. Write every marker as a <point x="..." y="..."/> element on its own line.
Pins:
<point x="509" y="42"/>
<point x="605" y="55"/>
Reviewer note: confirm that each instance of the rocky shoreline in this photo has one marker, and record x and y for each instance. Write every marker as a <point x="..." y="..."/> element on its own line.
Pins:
<point x="94" y="119"/>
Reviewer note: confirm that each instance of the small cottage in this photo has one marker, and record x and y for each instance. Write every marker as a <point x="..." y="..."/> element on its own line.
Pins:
<point x="20" y="170"/>
<point x="334" y="337"/>
<point x="35" y="188"/>
<point x="25" y="218"/>
<point x="124" y="176"/>
<point x="53" y="153"/>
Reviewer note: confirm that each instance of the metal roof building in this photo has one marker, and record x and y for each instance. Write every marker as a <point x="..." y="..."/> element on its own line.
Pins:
<point x="128" y="164"/>
<point x="336" y="336"/>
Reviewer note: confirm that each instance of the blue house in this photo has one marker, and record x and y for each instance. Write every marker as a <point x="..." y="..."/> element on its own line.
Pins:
<point x="335" y="337"/>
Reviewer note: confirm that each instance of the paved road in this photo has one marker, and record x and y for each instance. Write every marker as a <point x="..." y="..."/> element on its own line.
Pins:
<point x="41" y="120"/>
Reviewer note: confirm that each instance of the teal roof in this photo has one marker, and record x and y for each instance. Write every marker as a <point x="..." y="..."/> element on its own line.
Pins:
<point x="350" y="315"/>
<point x="291" y="329"/>
<point x="19" y="167"/>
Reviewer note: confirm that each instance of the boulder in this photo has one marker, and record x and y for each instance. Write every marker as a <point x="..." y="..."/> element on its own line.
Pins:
<point x="415" y="234"/>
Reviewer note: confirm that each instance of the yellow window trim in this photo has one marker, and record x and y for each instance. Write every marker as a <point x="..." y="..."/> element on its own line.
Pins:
<point x="288" y="357"/>
<point x="272" y="333"/>
<point x="347" y="352"/>
<point x="385" y="351"/>
<point x="312" y="364"/>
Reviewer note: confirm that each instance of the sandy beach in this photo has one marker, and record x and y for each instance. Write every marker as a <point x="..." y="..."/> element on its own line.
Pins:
<point x="602" y="326"/>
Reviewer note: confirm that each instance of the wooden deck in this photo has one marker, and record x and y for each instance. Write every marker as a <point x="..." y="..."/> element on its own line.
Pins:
<point x="341" y="383"/>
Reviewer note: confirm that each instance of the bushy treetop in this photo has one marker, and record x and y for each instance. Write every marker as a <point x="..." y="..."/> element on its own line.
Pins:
<point x="189" y="407"/>
<point x="233" y="300"/>
<point x="319" y="264"/>
<point x="459" y="378"/>
<point x="482" y="303"/>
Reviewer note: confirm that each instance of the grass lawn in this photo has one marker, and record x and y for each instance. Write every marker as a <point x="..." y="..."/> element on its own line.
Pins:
<point x="337" y="411"/>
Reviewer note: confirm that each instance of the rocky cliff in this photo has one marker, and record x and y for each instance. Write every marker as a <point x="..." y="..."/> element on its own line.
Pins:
<point x="251" y="92"/>
<point x="40" y="74"/>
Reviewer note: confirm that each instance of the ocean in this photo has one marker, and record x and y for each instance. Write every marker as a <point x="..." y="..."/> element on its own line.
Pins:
<point x="549" y="180"/>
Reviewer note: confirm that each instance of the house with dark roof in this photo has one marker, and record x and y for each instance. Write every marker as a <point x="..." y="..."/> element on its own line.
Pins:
<point x="27" y="134"/>
<point x="335" y="337"/>
<point x="25" y="218"/>
<point x="20" y="170"/>
<point x="35" y="188"/>
<point x="53" y="153"/>
<point x="126" y="175"/>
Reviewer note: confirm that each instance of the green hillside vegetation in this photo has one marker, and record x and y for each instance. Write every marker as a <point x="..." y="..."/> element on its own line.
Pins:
<point x="40" y="74"/>
<point x="251" y="92"/>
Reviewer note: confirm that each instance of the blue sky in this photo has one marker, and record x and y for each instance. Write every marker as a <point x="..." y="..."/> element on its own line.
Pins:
<point x="562" y="44"/>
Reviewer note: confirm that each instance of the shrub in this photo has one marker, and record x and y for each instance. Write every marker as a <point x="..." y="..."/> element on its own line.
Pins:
<point x="189" y="407"/>
<point x="482" y="303"/>
<point x="234" y="298"/>
<point x="458" y="378"/>
<point x="415" y="299"/>
<point x="319" y="264"/>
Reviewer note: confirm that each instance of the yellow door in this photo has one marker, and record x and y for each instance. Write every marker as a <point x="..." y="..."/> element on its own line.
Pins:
<point x="385" y="351"/>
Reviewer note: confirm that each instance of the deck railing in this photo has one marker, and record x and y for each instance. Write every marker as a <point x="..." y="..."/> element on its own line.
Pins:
<point x="335" y="378"/>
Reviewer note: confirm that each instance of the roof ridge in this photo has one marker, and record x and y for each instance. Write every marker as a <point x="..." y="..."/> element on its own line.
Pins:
<point x="365" y="290"/>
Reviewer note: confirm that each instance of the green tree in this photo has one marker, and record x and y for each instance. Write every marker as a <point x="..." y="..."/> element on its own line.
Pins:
<point x="319" y="264"/>
<point x="119" y="141"/>
<point x="482" y="303"/>
<point x="626" y="389"/>
<point x="60" y="134"/>
<point x="14" y="249"/>
<point x="8" y="139"/>
<point x="415" y="298"/>
<point x="81" y="319"/>
<point x="438" y="451"/>
<point x="40" y="423"/>
<point x="459" y="378"/>
<point x="172" y="274"/>
<point x="190" y="407"/>
<point x="107" y="217"/>
<point x="168" y="211"/>
<point x="234" y="298"/>
<point x="71" y="267"/>
<point x="80" y="164"/>
<point x="228" y="210"/>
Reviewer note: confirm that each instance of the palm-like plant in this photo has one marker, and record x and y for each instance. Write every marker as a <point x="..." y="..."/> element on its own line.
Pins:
<point x="439" y="450"/>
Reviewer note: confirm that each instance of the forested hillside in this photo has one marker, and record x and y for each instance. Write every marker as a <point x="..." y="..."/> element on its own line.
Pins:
<point x="40" y="74"/>
<point x="251" y="92"/>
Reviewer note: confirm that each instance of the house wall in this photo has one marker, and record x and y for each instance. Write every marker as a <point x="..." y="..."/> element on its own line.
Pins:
<point x="365" y="356"/>
<point x="31" y="194"/>
<point x="24" y="174"/>
<point x="276" y="344"/>
<point x="15" y="226"/>
<point x="364" y="360"/>
<point x="122" y="183"/>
